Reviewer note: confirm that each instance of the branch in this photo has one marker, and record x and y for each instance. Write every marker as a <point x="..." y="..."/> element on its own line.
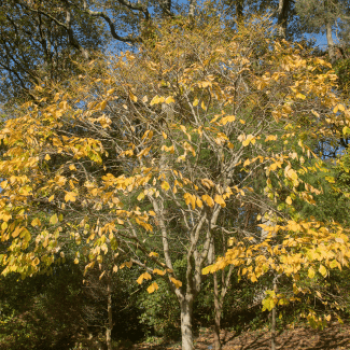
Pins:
<point x="111" y="24"/>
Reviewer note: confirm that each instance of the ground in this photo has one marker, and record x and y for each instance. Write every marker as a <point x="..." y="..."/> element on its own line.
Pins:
<point x="334" y="337"/>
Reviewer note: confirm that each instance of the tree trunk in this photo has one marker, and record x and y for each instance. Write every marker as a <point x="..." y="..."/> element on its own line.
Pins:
<point x="273" y="318"/>
<point x="109" y="326"/>
<point x="217" y="314"/>
<point x="239" y="11"/>
<point x="282" y="18"/>
<point x="330" y="42"/>
<point x="186" y="322"/>
<point x="192" y="8"/>
<point x="273" y="329"/>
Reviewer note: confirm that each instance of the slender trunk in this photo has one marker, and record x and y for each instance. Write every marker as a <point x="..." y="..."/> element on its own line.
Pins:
<point x="217" y="314"/>
<point x="330" y="42"/>
<point x="109" y="326"/>
<point x="273" y="329"/>
<point x="186" y="322"/>
<point x="273" y="319"/>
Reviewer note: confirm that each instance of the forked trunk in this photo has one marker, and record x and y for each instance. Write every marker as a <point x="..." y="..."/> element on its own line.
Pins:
<point x="186" y="323"/>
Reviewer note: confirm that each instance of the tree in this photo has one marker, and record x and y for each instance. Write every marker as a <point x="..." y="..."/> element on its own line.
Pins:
<point x="164" y="153"/>
<point x="323" y="16"/>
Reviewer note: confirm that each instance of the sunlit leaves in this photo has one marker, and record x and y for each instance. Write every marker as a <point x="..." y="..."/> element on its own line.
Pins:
<point x="156" y="100"/>
<point x="54" y="219"/>
<point x="152" y="288"/>
<point x="208" y="200"/>
<point x="36" y="222"/>
<point x="228" y="119"/>
<point x="190" y="199"/>
<point x="159" y="272"/>
<point x="311" y="273"/>
<point x="165" y="186"/>
<point x="250" y="139"/>
<point x="70" y="197"/>
<point x="169" y="100"/>
<point x="144" y="276"/>
<point x="218" y="199"/>
<point x="323" y="271"/>
<point x="176" y="282"/>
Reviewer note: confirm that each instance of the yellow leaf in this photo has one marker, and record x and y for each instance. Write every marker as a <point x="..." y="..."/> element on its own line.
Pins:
<point x="177" y="283"/>
<point x="219" y="200"/>
<point x="207" y="183"/>
<point x="103" y="105"/>
<point x="156" y="99"/>
<point x="199" y="202"/>
<point x="115" y="268"/>
<point x="141" y="196"/>
<point x="51" y="198"/>
<point x="341" y="107"/>
<point x="208" y="269"/>
<point x="327" y="317"/>
<point x="54" y="219"/>
<point x="144" y="152"/>
<point x="311" y="272"/>
<point x="323" y="271"/>
<point x="207" y="199"/>
<point x="271" y="138"/>
<point x="289" y="200"/>
<point x="253" y="278"/>
<point x="132" y="97"/>
<point x="144" y="276"/>
<point x="169" y="100"/>
<point x="204" y="107"/>
<point x="228" y="119"/>
<point x="190" y="199"/>
<point x="165" y="136"/>
<point x="72" y="167"/>
<point x="36" y="222"/>
<point x="250" y="139"/>
<point x="152" y="288"/>
<point x="70" y="196"/>
<point x="110" y="91"/>
<point x="215" y="118"/>
<point x="35" y="262"/>
<point x="153" y="254"/>
<point x="159" y="272"/>
<point x="165" y="186"/>
<point x="47" y="157"/>
<point x="76" y="261"/>
<point x="17" y="231"/>
<point x="246" y="163"/>
<point x="148" y="134"/>
<point x="301" y="96"/>
<point x="268" y="304"/>
<point x="195" y="102"/>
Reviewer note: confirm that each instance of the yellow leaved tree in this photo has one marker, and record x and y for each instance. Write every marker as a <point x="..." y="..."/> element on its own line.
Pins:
<point x="165" y="154"/>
